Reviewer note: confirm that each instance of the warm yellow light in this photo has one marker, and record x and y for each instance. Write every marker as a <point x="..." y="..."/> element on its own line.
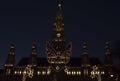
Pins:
<point x="102" y="72"/>
<point x="24" y="72"/>
<point x="43" y="72"/>
<point x="73" y="72"/>
<point x="38" y="72"/>
<point x="92" y="73"/>
<point x="20" y="72"/>
<point x="78" y="72"/>
<point x="58" y="34"/>
<point x="15" y="72"/>
<point x="8" y="65"/>
<point x="68" y="72"/>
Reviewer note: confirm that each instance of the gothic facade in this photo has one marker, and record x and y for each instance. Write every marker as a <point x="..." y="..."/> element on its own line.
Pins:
<point x="58" y="65"/>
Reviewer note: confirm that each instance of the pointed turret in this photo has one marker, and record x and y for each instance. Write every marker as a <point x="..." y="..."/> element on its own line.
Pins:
<point x="33" y="58"/>
<point x="108" y="56"/>
<point x="58" y="52"/>
<point x="85" y="58"/>
<point x="11" y="56"/>
<point x="59" y="20"/>
<point x="10" y="62"/>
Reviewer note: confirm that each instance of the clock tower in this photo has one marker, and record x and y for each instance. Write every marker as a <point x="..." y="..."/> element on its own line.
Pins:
<point x="58" y="51"/>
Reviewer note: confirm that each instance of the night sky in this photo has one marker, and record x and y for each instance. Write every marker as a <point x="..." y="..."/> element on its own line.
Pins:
<point x="93" y="21"/>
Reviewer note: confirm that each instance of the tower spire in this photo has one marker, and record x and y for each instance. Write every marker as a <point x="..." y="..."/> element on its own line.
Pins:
<point x="84" y="48"/>
<point x="11" y="56"/>
<point x="33" y="60"/>
<point x="34" y="48"/>
<point x="59" y="19"/>
<point x="58" y="52"/>
<point x="10" y="62"/>
<point x="58" y="34"/>
<point x="85" y="59"/>
<point x="108" y="56"/>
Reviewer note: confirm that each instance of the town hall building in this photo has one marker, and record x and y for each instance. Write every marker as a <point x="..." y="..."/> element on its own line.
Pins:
<point x="58" y="65"/>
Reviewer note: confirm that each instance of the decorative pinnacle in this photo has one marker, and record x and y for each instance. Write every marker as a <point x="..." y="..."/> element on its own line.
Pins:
<point x="59" y="19"/>
<point x="34" y="45"/>
<point x="12" y="47"/>
<point x="84" y="47"/>
<point x="34" y="52"/>
<point x="107" y="47"/>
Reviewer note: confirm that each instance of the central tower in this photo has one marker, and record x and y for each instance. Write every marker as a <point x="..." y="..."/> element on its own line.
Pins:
<point x="58" y="51"/>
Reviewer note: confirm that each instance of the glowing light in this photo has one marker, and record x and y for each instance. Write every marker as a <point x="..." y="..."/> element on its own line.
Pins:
<point x="78" y="72"/>
<point x="20" y="72"/>
<point x="73" y="72"/>
<point x="24" y="72"/>
<point x="68" y="73"/>
<point x="43" y="72"/>
<point x="92" y="72"/>
<point x="111" y="75"/>
<point x="102" y="72"/>
<point x="58" y="34"/>
<point x="15" y="72"/>
<point x="38" y="72"/>
<point x="48" y="71"/>
<point x="59" y="5"/>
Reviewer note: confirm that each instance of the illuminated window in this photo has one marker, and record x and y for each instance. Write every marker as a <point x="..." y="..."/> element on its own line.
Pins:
<point x="48" y="71"/>
<point x="43" y="72"/>
<point x="20" y="72"/>
<point x="97" y="72"/>
<point x="24" y="72"/>
<point x="85" y="71"/>
<point x="58" y="34"/>
<point x="33" y="46"/>
<point x="73" y="72"/>
<point x="102" y="72"/>
<point x="38" y="72"/>
<point x="78" y="73"/>
<point x="68" y="72"/>
<point x="8" y="72"/>
<point x="52" y="62"/>
<point x="15" y="72"/>
<point x="92" y="72"/>
<point x="32" y="71"/>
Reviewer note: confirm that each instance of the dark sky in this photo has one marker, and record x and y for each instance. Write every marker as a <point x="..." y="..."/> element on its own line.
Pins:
<point x="23" y="21"/>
